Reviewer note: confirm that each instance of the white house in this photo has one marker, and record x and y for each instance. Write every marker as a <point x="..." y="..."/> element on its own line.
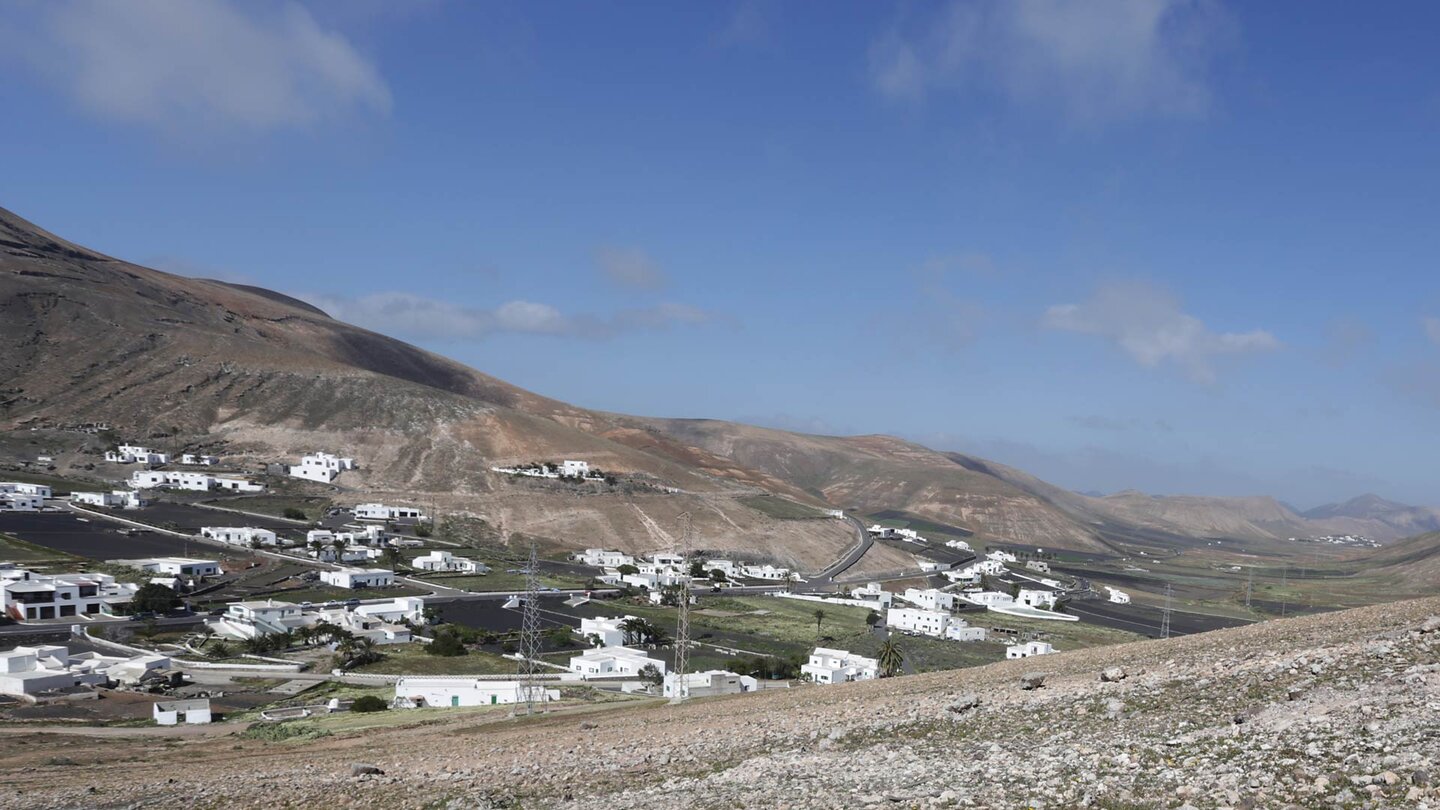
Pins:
<point x="930" y="598"/>
<point x="118" y="499"/>
<point x="25" y="488"/>
<point x="574" y="469"/>
<point x="959" y="544"/>
<point x="710" y="682"/>
<point x="194" y="481"/>
<point x="28" y="596"/>
<point x="379" y="511"/>
<point x="28" y="671"/>
<point x="447" y="561"/>
<point x="917" y="620"/>
<point x="400" y="609"/>
<point x="607" y="630"/>
<point x="240" y="535"/>
<point x="766" y="571"/>
<point x="131" y="453"/>
<point x="1035" y="598"/>
<point x="185" y="567"/>
<point x="190" y="712"/>
<point x="604" y="662"/>
<point x="1039" y="566"/>
<point x="1028" y="649"/>
<point x="988" y="598"/>
<point x="828" y="665"/>
<point x="381" y="623"/>
<point x="19" y="502"/>
<point x="358" y="577"/>
<point x="421" y="692"/>
<point x="1001" y="556"/>
<point x="346" y="554"/>
<point x="244" y="620"/>
<point x="959" y="630"/>
<point x="231" y="484"/>
<point x="322" y="467"/>
<point x="199" y="460"/>
<point x="1117" y="596"/>
<point x="604" y="558"/>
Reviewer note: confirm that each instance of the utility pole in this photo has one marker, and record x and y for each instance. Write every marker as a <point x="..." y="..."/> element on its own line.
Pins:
<point x="529" y="636"/>
<point x="1284" y="579"/>
<point x="1249" y="587"/>
<point x="1165" y="617"/>
<point x="682" y="617"/>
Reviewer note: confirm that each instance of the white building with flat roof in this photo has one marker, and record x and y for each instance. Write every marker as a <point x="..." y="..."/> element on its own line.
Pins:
<point x="604" y="631"/>
<point x="132" y="453"/>
<point x="28" y="596"/>
<point x="358" y="577"/>
<point x="18" y="502"/>
<point x="380" y="511"/>
<point x="1119" y="597"/>
<point x="604" y="558"/>
<point x="766" y="571"/>
<point x="960" y="630"/>
<point x="830" y="666"/>
<point x="918" y="620"/>
<point x="1029" y="649"/>
<point x="25" y="488"/>
<point x="930" y="598"/>
<point x="199" y="460"/>
<point x="574" y="469"/>
<point x="440" y="560"/>
<point x="322" y="467"/>
<point x="192" y="481"/>
<point x="708" y="683"/>
<point x="195" y="711"/>
<point x="118" y="499"/>
<point x="183" y="567"/>
<point x="603" y="662"/>
<point x="240" y="535"/>
<point x="1036" y="598"/>
<point x="414" y="692"/>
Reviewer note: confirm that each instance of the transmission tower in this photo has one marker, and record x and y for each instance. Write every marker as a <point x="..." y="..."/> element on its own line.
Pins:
<point x="528" y="680"/>
<point x="682" y="616"/>
<point x="1165" y="617"/>
<point x="1249" y="587"/>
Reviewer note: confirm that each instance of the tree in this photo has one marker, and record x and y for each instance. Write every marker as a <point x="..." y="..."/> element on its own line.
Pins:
<point x="392" y="556"/>
<point x="559" y="636"/>
<point x="697" y="568"/>
<point x="446" y="644"/>
<point x="627" y="569"/>
<point x="651" y="675"/>
<point x="153" y="598"/>
<point x="670" y="595"/>
<point x="890" y="658"/>
<point x="316" y="546"/>
<point x="872" y="618"/>
<point x="220" y="649"/>
<point x="819" y="619"/>
<point x="369" y="703"/>
<point x="716" y="575"/>
<point x="293" y="513"/>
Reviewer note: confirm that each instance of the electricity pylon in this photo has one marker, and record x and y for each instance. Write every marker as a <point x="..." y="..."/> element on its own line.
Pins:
<point x="1165" y="617"/>
<point x="528" y="679"/>
<point x="682" y="616"/>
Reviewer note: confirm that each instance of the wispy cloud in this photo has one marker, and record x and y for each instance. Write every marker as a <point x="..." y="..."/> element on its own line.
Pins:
<point x="748" y="24"/>
<point x="415" y="316"/>
<point x="630" y="267"/>
<point x="1096" y="62"/>
<point x="1432" y="329"/>
<point x="199" y="66"/>
<point x="1149" y="325"/>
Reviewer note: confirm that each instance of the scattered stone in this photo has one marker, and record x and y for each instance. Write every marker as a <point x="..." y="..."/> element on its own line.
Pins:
<point x="1032" y="680"/>
<point x="362" y="769"/>
<point x="1113" y="674"/>
<point x="965" y="703"/>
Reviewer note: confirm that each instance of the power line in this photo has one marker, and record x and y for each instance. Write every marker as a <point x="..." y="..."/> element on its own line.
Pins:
<point x="682" y="617"/>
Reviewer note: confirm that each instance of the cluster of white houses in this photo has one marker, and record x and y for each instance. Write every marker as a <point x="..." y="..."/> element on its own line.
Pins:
<point x="663" y="569"/>
<point x="19" y="496"/>
<point x="134" y="453"/>
<point x="830" y="666"/>
<point x="194" y="481"/>
<point x="385" y="623"/>
<point x="566" y="469"/>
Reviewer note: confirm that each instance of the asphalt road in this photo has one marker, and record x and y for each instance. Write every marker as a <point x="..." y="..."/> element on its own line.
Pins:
<point x="863" y="543"/>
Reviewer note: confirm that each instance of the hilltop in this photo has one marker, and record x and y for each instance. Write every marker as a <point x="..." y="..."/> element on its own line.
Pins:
<point x="1332" y="710"/>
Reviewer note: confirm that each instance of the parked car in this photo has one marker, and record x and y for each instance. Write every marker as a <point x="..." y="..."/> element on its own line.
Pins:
<point x="306" y="606"/>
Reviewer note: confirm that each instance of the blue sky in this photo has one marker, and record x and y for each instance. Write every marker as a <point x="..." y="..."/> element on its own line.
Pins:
<point x="1172" y="246"/>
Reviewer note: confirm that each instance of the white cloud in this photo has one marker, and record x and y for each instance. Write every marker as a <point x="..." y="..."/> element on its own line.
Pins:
<point x="1097" y="61"/>
<point x="207" y="66"/>
<point x="1432" y="329"/>
<point x="415" y="316"/>
<point x="1149" y="325"/>
<point x="630" y="267"/>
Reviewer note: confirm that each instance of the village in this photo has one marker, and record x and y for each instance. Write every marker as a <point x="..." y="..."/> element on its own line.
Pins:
<point x="363" y="605"/>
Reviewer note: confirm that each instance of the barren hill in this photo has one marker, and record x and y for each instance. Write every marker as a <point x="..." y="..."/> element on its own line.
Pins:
<point x="263" y="377"/>
<point x="1333" y="710"/>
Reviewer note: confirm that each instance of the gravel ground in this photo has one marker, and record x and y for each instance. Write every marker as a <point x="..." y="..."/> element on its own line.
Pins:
<point x="1340" y="710"/>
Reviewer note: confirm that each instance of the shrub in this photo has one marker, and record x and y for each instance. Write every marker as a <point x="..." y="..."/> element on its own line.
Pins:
<point x="369" y="703"/>
<point x="446" y="644"/>
<point x="293" y="513"/>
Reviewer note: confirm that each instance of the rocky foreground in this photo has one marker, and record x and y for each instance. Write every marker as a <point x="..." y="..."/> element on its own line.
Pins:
<point x="1340" y="710"/>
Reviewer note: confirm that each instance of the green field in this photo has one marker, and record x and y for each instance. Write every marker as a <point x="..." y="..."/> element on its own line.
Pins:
<point x="411" y="659"/>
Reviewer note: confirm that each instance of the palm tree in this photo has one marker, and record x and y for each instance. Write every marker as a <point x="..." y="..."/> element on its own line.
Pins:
<point x="219" y="649"/>
<point x="890" y="658"/>
<point x="819" y="619"/>
<point x="634" y="630"/>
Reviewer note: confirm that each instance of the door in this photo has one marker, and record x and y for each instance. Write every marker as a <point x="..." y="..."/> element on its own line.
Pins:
<point x="454" y="700"/>
<point x="494" y="699"/>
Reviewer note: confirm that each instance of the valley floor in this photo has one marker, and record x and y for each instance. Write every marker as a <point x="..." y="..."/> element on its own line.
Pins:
<point x="1335" y="710"/>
